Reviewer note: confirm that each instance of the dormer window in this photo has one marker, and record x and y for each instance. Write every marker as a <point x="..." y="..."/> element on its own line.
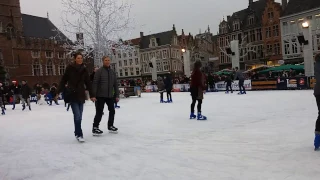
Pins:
<point x="251" y="20"/>
<point x="236" y="25"/>
<point x="175" y="40"/>
<point x="153" y="42"/>
<point x="270" y="15"/>
<point x="223" y="28"/>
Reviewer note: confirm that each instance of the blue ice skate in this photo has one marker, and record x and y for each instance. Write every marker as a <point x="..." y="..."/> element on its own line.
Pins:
<point x="169" y="101"/>
<point x="317" y="142"/>
<point x="227" y="92"/>
<point x="200" y="117"/>
<point x="3" y="112"/>
<point x="116" y="106"/>
<point x="192" y="116"/>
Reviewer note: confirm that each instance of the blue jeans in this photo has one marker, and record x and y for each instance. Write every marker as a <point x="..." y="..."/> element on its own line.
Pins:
<point x="77" y="109"/>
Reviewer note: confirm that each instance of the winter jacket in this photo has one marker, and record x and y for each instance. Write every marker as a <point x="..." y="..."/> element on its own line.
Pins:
<point x="197" y="85"/>
<point x="92" y="76"/>
<point x="16" y="89"/>
<point x="53" y="91"/>
<point x="317" y="76"/>
<point x="104" y="83"/>
<point x="228" y="80"/>
<point x="77" y="78"/>
<point x="25" y="91"/>
<point x="160" y="84"/>
<point x="239" y="75"/>
<point x="38" y="90"/>
<point x="168" y="83"/>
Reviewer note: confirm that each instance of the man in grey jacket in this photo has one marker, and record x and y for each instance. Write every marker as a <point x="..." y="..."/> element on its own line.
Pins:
<point x="239" y="76"/>
<point x="105" y="90"/>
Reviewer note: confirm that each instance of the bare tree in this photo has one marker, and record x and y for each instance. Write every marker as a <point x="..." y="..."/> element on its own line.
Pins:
<point x="244" y="48"/>
<point x="100" y="21"/>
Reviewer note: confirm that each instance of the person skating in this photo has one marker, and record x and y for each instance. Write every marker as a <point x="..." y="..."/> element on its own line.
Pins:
<point x="16" y="91"/>
<point x="317" y="96"/>
<point x="3" y="92"/>
<point x="2" y="104"/>
<point x="161" y="88"/>
<point x="197" y="88"/>
<point x="54" y="97"/>
<point x="239" y="76"/>
<point x="77" y="77"/>
<point x="229" y="82"/>
<point x="104" y="83"/>
<point x="25" y="93"/>
<point x="168" y="86"/>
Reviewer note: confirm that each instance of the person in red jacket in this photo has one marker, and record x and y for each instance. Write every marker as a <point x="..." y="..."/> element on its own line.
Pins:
<point x="197" y="87"/>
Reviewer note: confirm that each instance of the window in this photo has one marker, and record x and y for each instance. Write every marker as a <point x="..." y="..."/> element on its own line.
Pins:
<point x="113" y="66"/>
<point x="286" y="47"/>
<point x="130" y="54"/>
<point x="158" y="55"/>
<point x="259" y="35"/>
<point x="236" y="25"/>
<point x="126" y="72"/>
<point x="294" y="47"/>
<point x="268" y="32"/>
<point x="252" y="36"/>
<point x="119" y="55"/>
<point x="165" y="66"/>
<point x="124" y="55"/>
<point x="293" y="27"/>
<point x="222" y="58"/>
<point x="1" y="29"/>
<point x="174" y="65"/>
<point x="285" y="28"/>
<point x="61" y="55"/>
<point x="49" y="54"/>
<point x="159" y="67"/>
<point x="137" y="71"/>
<point x="135" y="53"/>
<point x="275" y="30"/>
<point x="130" y="62"/>
<point x="277" y="49"/>
<point x="50" y="68"/>
<point x="270" y="15"/>
<point x="120" y="63"/>
<point x="173" y="54"/>
<point x="269" y="49"/>
<point x="233" y="37"/>
<point x="251" y="20"/>
<point x="175" y="40"/>
<point x="62" y="68"/>
<point x="317" y="21"/>
<point x="153" y="42"/>
<point x="35" y="54"/>
<point x="121" y="73"/>
<point x="260" y="51"/>
<point x="36" y="71"/>
<point x="165" y="55"/>
<point x="131" y="72"/>
<point x="125" y="63"/>
<point x="136" y="61"/>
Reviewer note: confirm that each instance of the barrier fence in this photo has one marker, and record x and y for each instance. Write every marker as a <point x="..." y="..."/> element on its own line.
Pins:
<point x="268" y="84"/>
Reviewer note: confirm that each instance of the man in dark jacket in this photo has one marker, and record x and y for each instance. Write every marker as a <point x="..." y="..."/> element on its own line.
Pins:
<point x="25" y="93"/>
<point x="16" y="91"/>
<point x="317" y="96"/>
<point x="168" y="85"/>
<point x="104" y="89"/>
<point x="239" y="76"/>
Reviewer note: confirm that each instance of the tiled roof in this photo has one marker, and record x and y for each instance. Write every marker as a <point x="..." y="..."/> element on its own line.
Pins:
<point x="297" y="6"/>
<point x="163" y="38"/>
<point x="39" y="27"/>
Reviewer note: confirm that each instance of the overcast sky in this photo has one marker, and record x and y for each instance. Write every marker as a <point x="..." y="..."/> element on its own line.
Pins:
<point x="152" y="16"/>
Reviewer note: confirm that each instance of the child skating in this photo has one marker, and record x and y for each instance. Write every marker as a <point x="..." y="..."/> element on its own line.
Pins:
<point x="161" y="88"/>
<point x="229" y="82"/>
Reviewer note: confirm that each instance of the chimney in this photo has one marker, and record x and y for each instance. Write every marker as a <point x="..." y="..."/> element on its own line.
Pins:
<point x="141" y="34"/>
<point x="250" y="2"/>
<point x="228" y="17"/>
<point x="284" y="4"/>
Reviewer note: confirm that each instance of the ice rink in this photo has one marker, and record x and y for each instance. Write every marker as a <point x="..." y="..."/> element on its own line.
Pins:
<point x="264" y="135"/>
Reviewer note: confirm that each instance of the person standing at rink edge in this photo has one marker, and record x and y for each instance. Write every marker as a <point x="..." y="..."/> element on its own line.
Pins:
<point x="317" y="96"/>
<point x="104" y="89"/>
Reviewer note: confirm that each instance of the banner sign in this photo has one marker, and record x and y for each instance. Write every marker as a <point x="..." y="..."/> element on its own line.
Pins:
<point x="221" y="85"/>
<point x="292" y="83"/>
<point x="33" y="98"/>
<point x="151" y="88"/>
<point x="181" y="87"/>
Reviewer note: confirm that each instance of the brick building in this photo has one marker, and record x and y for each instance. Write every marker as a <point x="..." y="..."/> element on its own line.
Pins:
<point x="30" y="46"/>
<point x="271" y="35"/>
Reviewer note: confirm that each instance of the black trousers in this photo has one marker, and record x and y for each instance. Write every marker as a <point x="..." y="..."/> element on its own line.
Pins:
<point x="194" y="95"/>
<point x="161" y="95"/>
<point x="241" y="86"/>
<point x="229" y="88"/>
<point x="169" y="94"/>
<point x="99" y="111"/>
<point x="317" y="128"/>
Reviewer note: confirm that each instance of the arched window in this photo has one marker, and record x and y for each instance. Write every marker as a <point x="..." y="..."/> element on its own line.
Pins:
<point x="10" y="30"/>
<point x="1" y="29"/>
<point x="50" y="68"/>
<point x="36" y="68"/>
<point x="62" y="67"/>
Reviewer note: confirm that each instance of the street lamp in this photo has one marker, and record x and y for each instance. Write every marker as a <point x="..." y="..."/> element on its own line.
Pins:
<point x="186" y="62"/>
<point x="183" y="50"/>
<point x="305" y="40"/>
<point x="305" y="25"/>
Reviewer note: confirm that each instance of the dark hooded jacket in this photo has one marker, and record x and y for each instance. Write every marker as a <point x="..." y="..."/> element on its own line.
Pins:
<point x="168" y="83"/>
<point x="317" y="76"/>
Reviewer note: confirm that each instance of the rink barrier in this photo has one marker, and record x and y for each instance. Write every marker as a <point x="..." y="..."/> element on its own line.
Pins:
<point x="264" y="85"/>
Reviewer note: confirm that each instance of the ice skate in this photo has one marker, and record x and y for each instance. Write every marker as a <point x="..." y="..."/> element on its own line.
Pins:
<point x="317" y="142"/>
<point x="113" y="129"/>
<point x="3" y="111"/>
<point x="192" y="116"/>
<point x="23" y="107"/>
<point x="201" y="117"/>
<point x="116" y="106"/>
<point x="29" y="108"/>
<point x="80" y="139"/>
<point x="96" y="131"/>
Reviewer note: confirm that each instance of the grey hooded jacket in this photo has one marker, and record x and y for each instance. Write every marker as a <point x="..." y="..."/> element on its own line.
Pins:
<point x="105" y="83"/>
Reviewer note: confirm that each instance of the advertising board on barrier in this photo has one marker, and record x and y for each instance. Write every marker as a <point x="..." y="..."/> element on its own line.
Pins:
<point x="292" y="83"/>
<point x="151" y="88"/>
<point x="181" y="87"/>
<point x="221" y="86"/>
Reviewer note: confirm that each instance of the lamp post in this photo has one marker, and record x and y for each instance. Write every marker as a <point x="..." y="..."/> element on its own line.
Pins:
<point x="306" y="41"/>
<point x="153" y="66"/>
<point x="186" y="62"/>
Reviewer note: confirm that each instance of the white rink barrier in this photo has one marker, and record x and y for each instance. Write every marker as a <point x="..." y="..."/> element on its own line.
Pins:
<point x="221" y="85"/>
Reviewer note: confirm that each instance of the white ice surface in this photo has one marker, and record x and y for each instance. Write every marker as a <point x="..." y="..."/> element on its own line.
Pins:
<point x="266" y="135"/>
